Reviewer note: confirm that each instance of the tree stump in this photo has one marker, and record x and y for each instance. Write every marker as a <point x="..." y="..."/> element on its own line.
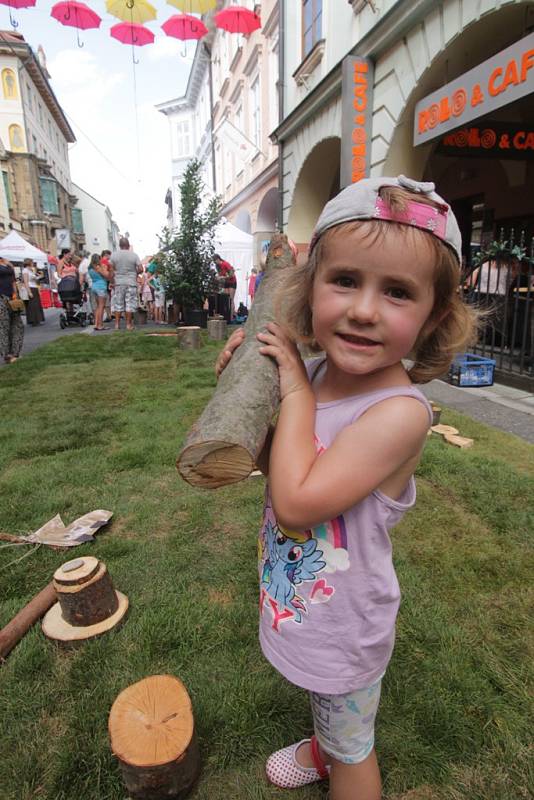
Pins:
<point x="217" y="328"/>
<point x="189" y="337"/>
<point x="224" y="443"/>
<point x="152" y="733"/>
<point x="87" y="601"/>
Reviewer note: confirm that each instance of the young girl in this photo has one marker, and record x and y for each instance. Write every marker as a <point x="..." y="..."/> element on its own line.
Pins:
<point x="380" y="285"/>
<point x="99" y="275"/>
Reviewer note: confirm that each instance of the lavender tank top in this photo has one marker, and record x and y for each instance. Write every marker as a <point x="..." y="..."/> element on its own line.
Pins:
<point x="329" y="596"/>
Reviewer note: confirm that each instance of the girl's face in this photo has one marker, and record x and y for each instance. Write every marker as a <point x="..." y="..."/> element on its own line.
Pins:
<point x="370" y="300"/>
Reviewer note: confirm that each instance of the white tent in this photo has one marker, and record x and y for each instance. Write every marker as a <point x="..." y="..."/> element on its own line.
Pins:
<point x="236" y="247"/>
<point x="15" y="248"/>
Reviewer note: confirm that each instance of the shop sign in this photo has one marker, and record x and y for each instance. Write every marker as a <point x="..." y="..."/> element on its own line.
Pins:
<point x="496" y="82"/>
<point x="357" y="110"/>
<point x="490" y="140"/>
<point x="62" y="238"/>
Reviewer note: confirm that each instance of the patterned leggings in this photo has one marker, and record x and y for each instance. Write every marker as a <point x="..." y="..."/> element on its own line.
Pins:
<point x="11" y="330"/>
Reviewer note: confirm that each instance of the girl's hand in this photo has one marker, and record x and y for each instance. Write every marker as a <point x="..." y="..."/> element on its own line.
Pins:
<point x="291" y="370"/>
<point x="225" y="356"/>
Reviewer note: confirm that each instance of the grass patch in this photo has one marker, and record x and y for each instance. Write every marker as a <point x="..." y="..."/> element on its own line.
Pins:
<point x="97" y="423"/>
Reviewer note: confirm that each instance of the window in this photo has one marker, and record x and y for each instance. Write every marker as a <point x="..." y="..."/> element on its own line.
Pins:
<point x="40" y="110"/>
<point x="312" y="18"/>
<point x="34" y="142"/>
<point x="238" y="118"/>
<point x="16" y="138"/>
<point x="30" y="98"/>
<point x="49" y="196"/>
<point x="182" y="138"/>
<point x="7" y="189"/>
<point x="9" y="84"/>
<point x="255" y="112"/>
<point x="77" y="221"/>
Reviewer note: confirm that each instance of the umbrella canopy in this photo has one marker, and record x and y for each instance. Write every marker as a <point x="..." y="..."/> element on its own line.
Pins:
<point x="184" y="26"/>
<point x="75" y="14"/>
<point x="132" y="11"/>
<point x="193" y="6"/>
<point x="131" y="33"/>
<point x="17" y="4"/>
<point x="236" y="19"/>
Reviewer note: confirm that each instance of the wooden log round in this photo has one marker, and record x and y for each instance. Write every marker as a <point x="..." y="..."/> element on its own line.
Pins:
<point x="224" y="443"/>
<point x="86" y="594"/>
<point x="189" y="337"/>
<point x="217" y="328"/>
<point x="152" y="733"/>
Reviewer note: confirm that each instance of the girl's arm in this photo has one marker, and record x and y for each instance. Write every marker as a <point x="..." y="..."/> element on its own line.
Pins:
<point x="308" y="488"/>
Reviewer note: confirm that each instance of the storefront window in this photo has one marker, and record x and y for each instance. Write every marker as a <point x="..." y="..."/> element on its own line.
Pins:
<point x="312" y="19"/>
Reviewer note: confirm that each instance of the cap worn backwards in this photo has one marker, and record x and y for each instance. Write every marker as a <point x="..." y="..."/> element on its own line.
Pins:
<point x="362" y="201"/>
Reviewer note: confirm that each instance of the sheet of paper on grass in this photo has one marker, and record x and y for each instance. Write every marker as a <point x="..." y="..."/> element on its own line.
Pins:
<point x="82" y="530"/>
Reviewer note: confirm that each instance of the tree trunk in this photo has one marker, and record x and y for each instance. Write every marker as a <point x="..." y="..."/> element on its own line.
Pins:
<point x="151" y="728"/>
<point x="22" y="622"/>
<point x="189" y="337"/>
<point x="217" y="328"/>
<point x="223" y="445"/>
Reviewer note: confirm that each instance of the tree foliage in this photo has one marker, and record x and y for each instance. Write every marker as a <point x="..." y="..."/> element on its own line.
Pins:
<point x="186" y="256"/>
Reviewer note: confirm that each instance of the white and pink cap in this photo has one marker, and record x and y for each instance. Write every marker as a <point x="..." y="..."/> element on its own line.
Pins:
<point x="362" y="201"/>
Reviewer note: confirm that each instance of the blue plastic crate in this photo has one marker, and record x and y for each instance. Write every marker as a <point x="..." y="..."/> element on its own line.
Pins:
<point x="468" y="369"/>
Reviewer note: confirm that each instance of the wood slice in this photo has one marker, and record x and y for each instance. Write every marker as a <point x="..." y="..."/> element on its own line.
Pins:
<point x="189" y="337"/>
<point x="459" y="441"/>
<point x="88" y="603"/>
<point x="217" y="329"/>
<point x="444" y="429"/>
<point x="152" y="734"/>
<point x="76" y="571"/>
<point x="57" y="628"/>
<point x="224" y="444"/>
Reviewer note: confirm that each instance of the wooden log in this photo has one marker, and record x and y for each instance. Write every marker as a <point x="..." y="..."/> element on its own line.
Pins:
<point x="223" y="445"/>
<point x="463" y="442"/>
<point x="86" y="594"/>
<point x="152" y="733"/>
<point x="13" y="632"/>
<point x="217" y="328"/>
<point x="189" y="337"/>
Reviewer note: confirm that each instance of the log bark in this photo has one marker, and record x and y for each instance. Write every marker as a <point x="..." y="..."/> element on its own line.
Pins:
<point x="217" y="328"/>
<point x="88" y="602"/>
<point x="223" y="445"/>
<point x="189" y="337"/>
<point x="13" y="632"/>
<point x="152" y="734"/>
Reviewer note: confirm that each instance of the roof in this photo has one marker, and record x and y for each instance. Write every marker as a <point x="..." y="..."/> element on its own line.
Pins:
<point x="14" y="44"/>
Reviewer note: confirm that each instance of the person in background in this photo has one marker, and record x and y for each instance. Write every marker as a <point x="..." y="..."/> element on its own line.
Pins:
<point x="159" y="298"/>
<point x="126" y="266"/>
<point x="99" y="276"/>
<point x="145" y="293"/>
<point x="34" y="309"/>
<point x="105" y="255"/>
<point x="11" y="325"/>
<point x="252" y="283"/>
<point x="227" y="273"/>
<point x="83" y="270"/>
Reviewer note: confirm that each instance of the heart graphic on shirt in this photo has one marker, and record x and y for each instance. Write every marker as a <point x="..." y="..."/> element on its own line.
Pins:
<point x="321" y="592"/>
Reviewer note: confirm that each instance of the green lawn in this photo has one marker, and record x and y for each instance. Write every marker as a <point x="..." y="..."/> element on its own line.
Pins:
<point x="92" y="422"/>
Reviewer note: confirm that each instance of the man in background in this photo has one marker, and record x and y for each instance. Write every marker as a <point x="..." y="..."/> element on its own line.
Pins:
<point x="126" y="265"/>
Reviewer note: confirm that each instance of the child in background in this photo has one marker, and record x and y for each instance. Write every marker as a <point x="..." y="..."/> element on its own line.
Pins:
<point x="380" y="285"/>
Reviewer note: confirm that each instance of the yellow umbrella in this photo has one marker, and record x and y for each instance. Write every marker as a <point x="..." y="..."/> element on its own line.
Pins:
<point x="136" y="11"/>
<point x="193" y="6"/>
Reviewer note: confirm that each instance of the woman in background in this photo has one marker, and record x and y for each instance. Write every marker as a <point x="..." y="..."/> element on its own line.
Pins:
<point x="34" y="309"/>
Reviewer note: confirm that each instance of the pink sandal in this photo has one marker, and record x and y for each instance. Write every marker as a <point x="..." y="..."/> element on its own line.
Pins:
<point x="284" y="771"/>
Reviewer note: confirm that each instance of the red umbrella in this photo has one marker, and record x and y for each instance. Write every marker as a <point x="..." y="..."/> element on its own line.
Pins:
<point x="132" y="33"/>
<point x="17" y="4"/>
<point x="76" y="15"/>
<point x="184" y="26"/>
<point x="236" y="19"/>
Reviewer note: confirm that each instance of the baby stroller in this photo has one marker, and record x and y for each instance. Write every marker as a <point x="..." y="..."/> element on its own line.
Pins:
<point x="74" y="303"/>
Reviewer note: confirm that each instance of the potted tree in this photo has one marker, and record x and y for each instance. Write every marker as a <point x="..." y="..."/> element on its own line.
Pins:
<point x="186" y="255"/>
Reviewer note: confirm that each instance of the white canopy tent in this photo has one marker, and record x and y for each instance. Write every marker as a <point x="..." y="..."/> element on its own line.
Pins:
<point x="236" y="247"/>
<point x="14" y="248"/>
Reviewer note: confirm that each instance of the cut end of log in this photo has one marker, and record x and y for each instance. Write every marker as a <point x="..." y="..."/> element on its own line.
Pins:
<point x="151" y="722"/>
<point x="213" y="464"/>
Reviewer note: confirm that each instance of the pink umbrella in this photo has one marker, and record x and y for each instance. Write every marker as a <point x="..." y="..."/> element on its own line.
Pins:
<point x="184" y="26"/>
<point x="236" y="19"/>
<point x="17" y="4"/>
<point x="76" y="15"/>
<point x="132" y="33"/>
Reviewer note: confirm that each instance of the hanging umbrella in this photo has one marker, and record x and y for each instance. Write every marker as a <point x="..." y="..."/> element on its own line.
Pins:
<point x="236" y="19"/>
<point x="16" y="4"/>
<point x="184" y="26"/>
<point x="132" y="11"/>
<point x="77" y="15"/>
<point x="193" y="6"/>
<point x="132" y="33"/>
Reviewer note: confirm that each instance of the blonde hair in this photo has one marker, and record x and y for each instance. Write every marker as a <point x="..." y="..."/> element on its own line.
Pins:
<point x="452" y="325"/>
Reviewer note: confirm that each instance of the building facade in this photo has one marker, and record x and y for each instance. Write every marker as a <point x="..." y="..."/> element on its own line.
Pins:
<point x="101" y="232"/>
<point x="35" y="163"/>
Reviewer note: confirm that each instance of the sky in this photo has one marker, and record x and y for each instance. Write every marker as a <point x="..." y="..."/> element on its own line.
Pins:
<point x="95" y="87"/>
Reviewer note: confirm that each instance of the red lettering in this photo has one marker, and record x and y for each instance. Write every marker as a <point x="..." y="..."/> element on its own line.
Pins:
<point x="358" y="164"/>
<point x="518" y="140"/>
<point x="444" y="109"/>
<point x="358" y="136"/>
<point x="279" y="616"/>
<point x="358" y="176"/>
<point x="492" y="89"/>
<point x="510" y="76"/>
<point x="473" y="139"/>
<point x="360" y="66"/>
<point x="423" y="121"/>
<point x="527" y="62"/>
<point x="477" y="97"/>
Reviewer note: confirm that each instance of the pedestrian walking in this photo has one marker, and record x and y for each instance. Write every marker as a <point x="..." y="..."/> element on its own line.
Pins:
<point x="99" y="276"/>
<point x="11" y="325"/>
<point x="126" y="265"/>
<point x="34" y="309"/>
